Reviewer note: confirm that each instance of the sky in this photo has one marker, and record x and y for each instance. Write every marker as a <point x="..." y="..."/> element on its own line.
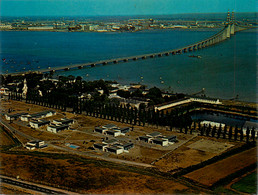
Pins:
<point x="121" y="7"/>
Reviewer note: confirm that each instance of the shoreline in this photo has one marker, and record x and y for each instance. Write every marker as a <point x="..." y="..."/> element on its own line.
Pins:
<point x="144" y="30"/>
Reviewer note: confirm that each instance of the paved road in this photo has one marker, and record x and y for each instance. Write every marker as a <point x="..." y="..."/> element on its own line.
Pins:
<point x="15" y="131"/>
<point x="33" y="187"/>
<point x="89" y="154"/>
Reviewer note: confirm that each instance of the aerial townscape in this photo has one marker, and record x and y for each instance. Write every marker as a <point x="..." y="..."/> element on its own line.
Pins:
<point x="128" y="98"/>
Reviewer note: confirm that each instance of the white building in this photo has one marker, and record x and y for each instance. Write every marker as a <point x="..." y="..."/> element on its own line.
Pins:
<point x="63" y="121"/>
<point x="39" y="123"/>
<point x="41" y="28"/>
<point x="57" y="128"/>
<point x="38" y="115"/>
<point x="14" y="116"/>
<point x="93" y="27"/>
<point x="32" y="145"/>
<point x="113" y="132"/>
<point x="186" y="101"/>
<point x="114" y="149"/>
<point x="5" y="26"/>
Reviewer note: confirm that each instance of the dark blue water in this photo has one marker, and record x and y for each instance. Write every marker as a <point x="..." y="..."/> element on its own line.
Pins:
<point x="225" y="70"/>
<point x="219" y="118"/>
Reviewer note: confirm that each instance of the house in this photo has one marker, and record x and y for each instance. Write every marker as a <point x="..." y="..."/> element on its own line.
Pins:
<point x="57" y="128"/>
<point x="30" y="147"/>
<point x="100" y="146"/>
<point x="109" y="126"/>
<point x="170" y="138"/>
<point x="113" y="132"/>
<point x="63" y="121"/>
<point x="110" y="141"/>
<point x="35" y="144"/>
<point x="48" y="113"/>
<point x="145" y="138"/>
<point x="114" y="149"/>
<point x="14" y="116"/>
<point x="100" y="130"/>
<point x="124" y="130"/>
<point x="157" y="138"/>
<point x="39" y="123"/>
<point x="25" y="117"/>
<point x="128" y="146"/>
<point x="159" y="141"/>
<point x="154" y="134"/>
<point x="121" y="131"/>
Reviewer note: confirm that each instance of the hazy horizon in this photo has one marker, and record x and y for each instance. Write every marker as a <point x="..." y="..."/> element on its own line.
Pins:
<point x="121" y="7"/>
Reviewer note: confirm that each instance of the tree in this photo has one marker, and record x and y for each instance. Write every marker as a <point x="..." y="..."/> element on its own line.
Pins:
<point x="213" y="132"/>
<point x="225" y="132"/>
<point x="219" y="131"/>
<point x="241" y="134"/>
<point x="186" y="129"/>
<point x="208" y="130"/>
<point x="230" y="133"/>
<point x="202" y="130"/>
<point x="253" y="134"/>
<point x="247" y="134"/>
<point x="236" y="133"/>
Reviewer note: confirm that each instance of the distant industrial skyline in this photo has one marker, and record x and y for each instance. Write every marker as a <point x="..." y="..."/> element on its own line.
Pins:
<point x="121" y="7"/>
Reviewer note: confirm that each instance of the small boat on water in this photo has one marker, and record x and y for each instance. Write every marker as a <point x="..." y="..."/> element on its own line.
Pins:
<point x="195" y="56"/>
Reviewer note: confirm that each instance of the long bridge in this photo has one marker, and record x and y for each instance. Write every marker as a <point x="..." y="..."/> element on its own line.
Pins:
<point x="230" y="28"/>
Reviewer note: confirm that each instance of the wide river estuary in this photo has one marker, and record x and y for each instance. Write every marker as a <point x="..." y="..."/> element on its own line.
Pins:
<point x="225" y="70"/>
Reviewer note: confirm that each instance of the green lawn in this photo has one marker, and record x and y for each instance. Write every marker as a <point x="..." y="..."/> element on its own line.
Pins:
<point x="247" y="184"/>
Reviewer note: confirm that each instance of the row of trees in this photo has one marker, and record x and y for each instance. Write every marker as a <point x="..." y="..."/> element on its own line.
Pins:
<point x="231" y="133"/>
<point x="109" y="110"/>
<point x="177" y="117"/>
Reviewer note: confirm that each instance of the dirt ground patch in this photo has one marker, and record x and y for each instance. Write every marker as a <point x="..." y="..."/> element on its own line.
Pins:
<point x="86" y="176"/>
<point x="141" y="154"/>
<point x="210" y="174"/>
<point x="210" y="146"/>
<point x="185" y="156"/>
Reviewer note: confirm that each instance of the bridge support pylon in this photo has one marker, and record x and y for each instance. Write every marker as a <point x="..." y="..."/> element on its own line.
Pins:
<point x="228" y="31"/>
<point x="232" y="29"/>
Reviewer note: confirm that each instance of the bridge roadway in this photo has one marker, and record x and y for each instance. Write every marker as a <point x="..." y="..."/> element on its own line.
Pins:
<point x="222" y="35"/>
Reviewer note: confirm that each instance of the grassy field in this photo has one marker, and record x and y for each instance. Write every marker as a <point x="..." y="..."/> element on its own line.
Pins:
<point x="210" y="174"/>
<point x="6" y="140"/>
<point x="87" y="176"/>
<point x="247" y="184"/>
